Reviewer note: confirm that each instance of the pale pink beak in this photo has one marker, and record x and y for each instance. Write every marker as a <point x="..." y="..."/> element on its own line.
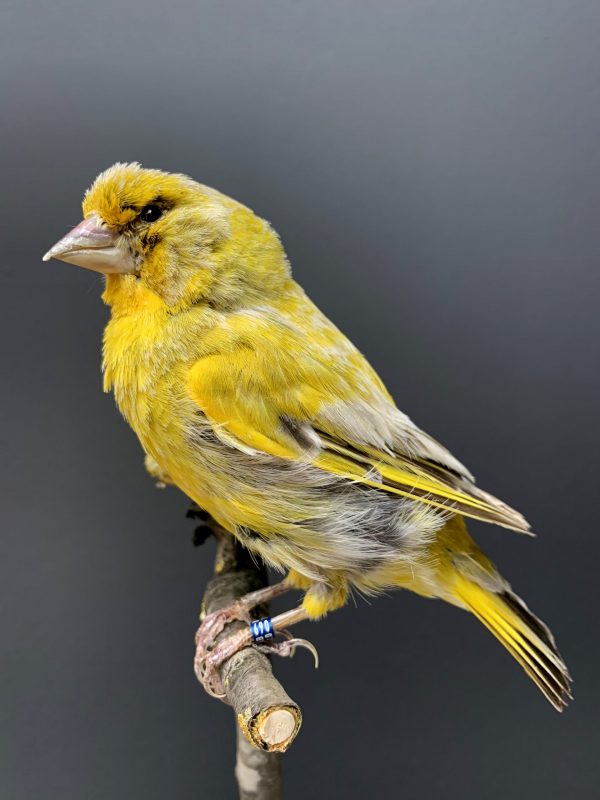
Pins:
<point x="94" y="246"/>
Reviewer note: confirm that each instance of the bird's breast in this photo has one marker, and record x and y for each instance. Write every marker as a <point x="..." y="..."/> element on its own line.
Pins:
<point x="146" y="365"/>
<point x="143" y="365"/>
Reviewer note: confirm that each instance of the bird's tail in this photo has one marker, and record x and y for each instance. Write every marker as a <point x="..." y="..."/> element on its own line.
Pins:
<point x="525" y="637"/>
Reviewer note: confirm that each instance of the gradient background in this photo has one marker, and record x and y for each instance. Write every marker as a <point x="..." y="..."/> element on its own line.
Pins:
<point x="434" y="171"/>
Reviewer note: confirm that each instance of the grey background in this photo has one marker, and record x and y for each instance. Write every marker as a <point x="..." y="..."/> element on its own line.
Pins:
<point x="433" y="169"/>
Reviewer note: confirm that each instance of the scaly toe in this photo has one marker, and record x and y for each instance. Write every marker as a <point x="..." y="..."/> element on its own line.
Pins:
<point x="213" y="624"/>
<point x="208" y="662"/>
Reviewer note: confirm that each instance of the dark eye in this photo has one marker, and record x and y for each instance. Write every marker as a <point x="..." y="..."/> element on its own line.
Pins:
<point x="151" y="213"/>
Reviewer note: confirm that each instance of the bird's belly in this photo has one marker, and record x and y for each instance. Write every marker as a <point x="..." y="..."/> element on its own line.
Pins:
<point x="294" y="515"/>
<point x="298" y="517"/>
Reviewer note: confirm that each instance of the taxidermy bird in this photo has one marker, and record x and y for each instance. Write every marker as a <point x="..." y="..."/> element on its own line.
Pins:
<point x="245" y="396"/>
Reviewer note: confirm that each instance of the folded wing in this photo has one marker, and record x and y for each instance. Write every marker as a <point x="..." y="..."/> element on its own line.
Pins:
<point x="272" y="392"/>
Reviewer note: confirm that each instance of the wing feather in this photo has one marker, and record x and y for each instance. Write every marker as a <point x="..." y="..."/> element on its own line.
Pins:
<point x="272" y="393"/>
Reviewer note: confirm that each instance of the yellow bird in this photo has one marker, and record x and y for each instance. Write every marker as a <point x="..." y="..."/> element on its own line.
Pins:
<point x="245" y="396"/>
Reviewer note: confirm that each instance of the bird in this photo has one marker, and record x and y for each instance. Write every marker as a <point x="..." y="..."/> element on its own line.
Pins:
<point x="245" y="396"/>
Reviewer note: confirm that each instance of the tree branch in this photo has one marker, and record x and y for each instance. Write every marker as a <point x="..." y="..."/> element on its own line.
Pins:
<point x="258" y="773"/>
<point x="268" y="718"/>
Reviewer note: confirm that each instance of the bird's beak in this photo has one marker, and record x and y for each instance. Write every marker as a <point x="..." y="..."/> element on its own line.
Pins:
<point x="94" y="246"/>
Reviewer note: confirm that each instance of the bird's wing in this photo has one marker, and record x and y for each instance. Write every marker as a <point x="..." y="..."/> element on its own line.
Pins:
<point x="269" y="388"/>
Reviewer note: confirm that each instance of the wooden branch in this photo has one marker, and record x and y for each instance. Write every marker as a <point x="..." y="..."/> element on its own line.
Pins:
<point x="268" y="718"/>
<point x="258" y="773"/>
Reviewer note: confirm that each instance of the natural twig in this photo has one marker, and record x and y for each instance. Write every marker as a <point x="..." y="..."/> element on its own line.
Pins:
<point x="268" y="718"/>
<point x="258" y="773"/>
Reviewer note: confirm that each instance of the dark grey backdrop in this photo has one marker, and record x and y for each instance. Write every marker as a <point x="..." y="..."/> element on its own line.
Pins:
<point x="433" y="169"/>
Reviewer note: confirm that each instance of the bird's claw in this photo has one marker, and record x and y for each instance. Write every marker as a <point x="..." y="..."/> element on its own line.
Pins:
<point x="287" y="648"/>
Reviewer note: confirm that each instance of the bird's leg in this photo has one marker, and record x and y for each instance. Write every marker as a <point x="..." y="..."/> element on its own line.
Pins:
<point x="213" y="624"/>
<point x="208" y="661"/>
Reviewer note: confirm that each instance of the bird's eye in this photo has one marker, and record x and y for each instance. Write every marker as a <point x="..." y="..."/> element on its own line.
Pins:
<point x="151" y="213"/>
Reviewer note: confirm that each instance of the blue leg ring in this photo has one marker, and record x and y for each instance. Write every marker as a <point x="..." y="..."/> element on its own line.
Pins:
<point x="261" y="629"/>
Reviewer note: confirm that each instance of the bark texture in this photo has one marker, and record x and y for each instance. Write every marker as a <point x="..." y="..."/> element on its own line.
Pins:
<point x="268" y="718"/>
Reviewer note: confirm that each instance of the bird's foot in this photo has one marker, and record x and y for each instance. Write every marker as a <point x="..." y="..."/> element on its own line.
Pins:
<point x="210" y="655"/>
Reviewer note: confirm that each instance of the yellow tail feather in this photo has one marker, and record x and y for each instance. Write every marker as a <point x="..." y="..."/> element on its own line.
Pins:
<point x="525" y="637"/>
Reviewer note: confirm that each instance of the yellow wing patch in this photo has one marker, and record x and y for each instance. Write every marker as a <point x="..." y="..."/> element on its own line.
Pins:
<point x="268" y="394"/>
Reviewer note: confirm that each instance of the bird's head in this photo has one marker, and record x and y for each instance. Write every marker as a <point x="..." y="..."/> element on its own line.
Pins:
<point x="163" y="239"/>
